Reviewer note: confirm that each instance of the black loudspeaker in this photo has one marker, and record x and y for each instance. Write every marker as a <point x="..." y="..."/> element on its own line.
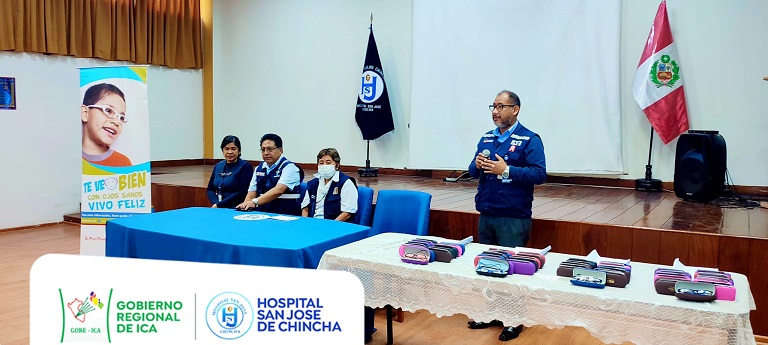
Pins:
<point x="700" y="160"/>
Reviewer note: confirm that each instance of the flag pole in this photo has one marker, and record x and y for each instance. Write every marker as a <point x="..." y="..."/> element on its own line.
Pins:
<point x="648" y="183"/>
<point x="368" y="171"/>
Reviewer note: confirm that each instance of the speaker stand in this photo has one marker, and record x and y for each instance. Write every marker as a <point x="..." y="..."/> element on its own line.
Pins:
<point x="648" y="184"/>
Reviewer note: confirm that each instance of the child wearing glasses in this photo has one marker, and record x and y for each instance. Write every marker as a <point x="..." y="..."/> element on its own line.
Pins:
<point x="103" y="117"/>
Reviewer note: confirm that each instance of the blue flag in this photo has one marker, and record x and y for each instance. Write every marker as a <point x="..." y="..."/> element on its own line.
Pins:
<point x="373" y="114"/>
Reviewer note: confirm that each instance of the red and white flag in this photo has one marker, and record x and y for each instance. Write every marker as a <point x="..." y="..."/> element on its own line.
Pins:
<point x="658" y="86"/>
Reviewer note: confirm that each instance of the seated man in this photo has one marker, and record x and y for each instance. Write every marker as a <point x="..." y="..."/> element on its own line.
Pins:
<point x="275" y="183"/>
<point x="331" y="194"/>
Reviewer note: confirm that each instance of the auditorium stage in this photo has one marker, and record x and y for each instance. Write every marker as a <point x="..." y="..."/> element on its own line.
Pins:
<point x="574" y="203"/>
<point x="619" y="222"/>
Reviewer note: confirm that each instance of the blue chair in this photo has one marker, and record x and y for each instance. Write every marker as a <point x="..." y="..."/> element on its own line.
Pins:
<point x="302" y="191"/>
<point x="364" y="213"/>
<point x="402" y="211"/>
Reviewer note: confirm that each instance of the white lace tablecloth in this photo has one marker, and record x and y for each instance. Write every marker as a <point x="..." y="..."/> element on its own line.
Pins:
<point x="613" y="315"/>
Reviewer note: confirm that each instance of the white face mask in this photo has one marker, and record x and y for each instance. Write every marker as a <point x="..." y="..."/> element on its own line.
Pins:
<point x="326" y="170"/>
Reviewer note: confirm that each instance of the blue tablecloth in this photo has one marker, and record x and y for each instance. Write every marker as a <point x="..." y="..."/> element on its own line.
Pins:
<point x="204" y="234"/>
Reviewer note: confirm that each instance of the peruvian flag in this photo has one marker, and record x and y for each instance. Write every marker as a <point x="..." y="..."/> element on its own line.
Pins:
<point x="658" y="86"/>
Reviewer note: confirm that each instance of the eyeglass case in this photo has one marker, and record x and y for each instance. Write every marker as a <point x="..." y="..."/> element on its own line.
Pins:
<point x="455" y="250"/>
<point x="460" y="246"/>
<point x="523" y="265"/>
<point x="712" y="273"/>
<point x="420" y="242"/>
<point x="492" y="254"/>
<point x="693" y="291"/>
<point x="666" y="286"/>
<point x="541" y="258"/>
<point x="493" y="267"/>
<point x="669" y="271"/>
<point x="590" y="264"/>
<point x="614" y="277"/>
<point x="442" y="254"/>
<point x="416" y="254"/>
<point x="724" y="289"/>
<point x="625" y="269"/>
<point x="588" y="278"/>
<point x="566" y="268"/>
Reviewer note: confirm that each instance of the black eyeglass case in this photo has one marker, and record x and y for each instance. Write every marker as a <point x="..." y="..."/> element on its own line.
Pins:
<point x="442" y="254"/>
<point x="591" y="264"/>
<point x="614" y="277"/>
<point x="566" y="268"/>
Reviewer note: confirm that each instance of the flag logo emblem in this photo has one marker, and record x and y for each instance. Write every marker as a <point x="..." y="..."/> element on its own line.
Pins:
<point x="665" y="72"/>
<point x="372" y="86"/>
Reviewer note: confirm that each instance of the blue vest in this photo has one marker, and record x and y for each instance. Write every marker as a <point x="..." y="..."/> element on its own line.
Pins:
<point x="332" y="203"/>
<point x="506" y="199"/>
<point x="268" y="180"/>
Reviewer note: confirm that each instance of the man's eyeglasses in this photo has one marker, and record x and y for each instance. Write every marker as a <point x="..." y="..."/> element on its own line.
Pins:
<point x="109" y="111"/>
<point x="269" y="149"/>
<point x="499" y="107"/>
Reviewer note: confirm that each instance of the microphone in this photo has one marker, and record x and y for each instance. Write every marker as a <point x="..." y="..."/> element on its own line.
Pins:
<point x="486" y="153"/>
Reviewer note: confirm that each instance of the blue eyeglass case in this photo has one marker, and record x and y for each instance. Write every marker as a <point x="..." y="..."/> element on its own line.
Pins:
<point x="588" y="278"/>
<point x="493" y="267"/>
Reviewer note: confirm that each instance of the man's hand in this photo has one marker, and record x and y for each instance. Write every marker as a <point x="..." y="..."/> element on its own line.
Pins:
<point x="248" y="205"/>
<point x="492" y="167"/>
<point x="214" y="206"/>
<point x="480" y="160"/>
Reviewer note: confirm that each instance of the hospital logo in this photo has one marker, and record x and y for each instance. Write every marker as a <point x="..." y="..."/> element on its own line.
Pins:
<point x="372" y="86"/>
<point x="229" y="315"/>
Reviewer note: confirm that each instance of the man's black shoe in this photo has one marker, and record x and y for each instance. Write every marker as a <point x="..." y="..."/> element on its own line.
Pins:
<point x="510" y="333"/>
<point x="481" y="325"/>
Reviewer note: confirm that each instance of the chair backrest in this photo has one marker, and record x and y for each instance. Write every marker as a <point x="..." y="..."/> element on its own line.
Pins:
<point x="302" y="191"/>
<point x="402" y="211"/>
<point x="364" y="214"/>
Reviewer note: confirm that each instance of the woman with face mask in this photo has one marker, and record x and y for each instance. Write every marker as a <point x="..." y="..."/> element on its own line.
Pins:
<point x="331" y="194"/>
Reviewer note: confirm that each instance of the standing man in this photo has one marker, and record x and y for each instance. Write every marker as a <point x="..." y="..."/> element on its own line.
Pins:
<point x="509" y="161"/>
<point x="275" y="183"/>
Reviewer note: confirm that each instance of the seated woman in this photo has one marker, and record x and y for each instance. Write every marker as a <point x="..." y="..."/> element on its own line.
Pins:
<point x="230" y="178"/>
<point x="331" y="194"/>
<point x="324" y="199"/>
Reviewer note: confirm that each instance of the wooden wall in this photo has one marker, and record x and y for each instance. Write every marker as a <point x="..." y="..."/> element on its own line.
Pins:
<point x="748" y="256"/>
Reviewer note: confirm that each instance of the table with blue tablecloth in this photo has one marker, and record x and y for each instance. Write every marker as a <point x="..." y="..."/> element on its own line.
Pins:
<point x="202" y="234"/>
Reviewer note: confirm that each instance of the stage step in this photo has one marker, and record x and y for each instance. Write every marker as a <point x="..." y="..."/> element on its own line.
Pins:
<point x="72" y="218"/>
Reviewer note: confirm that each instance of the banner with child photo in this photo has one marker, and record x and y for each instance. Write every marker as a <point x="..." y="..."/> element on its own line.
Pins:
<point x="115" y="150"/>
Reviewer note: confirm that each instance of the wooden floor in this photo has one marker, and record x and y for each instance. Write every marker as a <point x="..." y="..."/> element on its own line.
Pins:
<point x="18" y="251"/>
<point x="423" y="328"/>
<point x="586" y="204"/>
<point x="20" y="248"/>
